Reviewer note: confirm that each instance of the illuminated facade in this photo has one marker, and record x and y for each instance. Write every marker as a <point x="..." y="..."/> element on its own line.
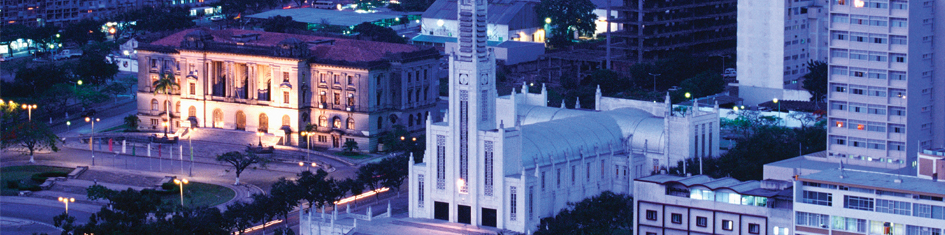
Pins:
<point x="282" y="84"/>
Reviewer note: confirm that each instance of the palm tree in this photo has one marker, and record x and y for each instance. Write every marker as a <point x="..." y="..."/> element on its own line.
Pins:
<point x="166" y="84"/>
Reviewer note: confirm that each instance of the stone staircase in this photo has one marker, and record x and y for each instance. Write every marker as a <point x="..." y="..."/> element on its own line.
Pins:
<point x="234" y="137"/>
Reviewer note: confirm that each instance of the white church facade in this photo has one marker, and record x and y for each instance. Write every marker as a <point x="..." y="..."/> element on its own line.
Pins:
<point x="507" y="162"/>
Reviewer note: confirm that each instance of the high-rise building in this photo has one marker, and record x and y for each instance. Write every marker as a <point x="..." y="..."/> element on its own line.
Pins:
<point x="657" y="29"/>
<point x="63" y="12"/>
<point x="509" y="161"/>
<point x="776" y="39"/>
<point x="882" y="94"/>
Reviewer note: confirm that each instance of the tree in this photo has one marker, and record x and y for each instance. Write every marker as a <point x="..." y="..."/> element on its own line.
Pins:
<point x="239" y="216"/>
<point x="349" y="146"/>
<point x="92" y="66"/>
<point x="415" y="5"/>
<point x="166" y="85"/>
<point x="157" y="19"/>
<point x="282" y="24"/>
<point x="284" y="195"/>
<point x="114" y="89"/>
<point x="371" y="175"/>
<point x="815" y="81"/>
<point x="240" y="161"/>
<point x="132" y="121"/>
<point x="567" y="17"/>
<point x="395" y="171"/>
<point x="56" y="97"/>
<point x="44" y="35"/>
<point x="83" y="31"/>
<point x="607" y="213"/>
<point x="33" y="136"/>
<point x="704" y="84"/>
<point x="377" y="33"/>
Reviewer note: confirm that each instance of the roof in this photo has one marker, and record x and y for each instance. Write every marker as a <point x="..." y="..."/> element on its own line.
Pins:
<point x="818" y="161"/>
<point x="753" y="187"/>
<point x="320" y="16"/>
<point x="877" y="180"/>
<point x="340" y="50"/>
<point x="545" y="128"/>
<point x="515" y="14"/>
<point x="445" y="39"/>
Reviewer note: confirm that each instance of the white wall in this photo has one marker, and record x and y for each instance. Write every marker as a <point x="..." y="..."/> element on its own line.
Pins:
<point x="760" y="43"/>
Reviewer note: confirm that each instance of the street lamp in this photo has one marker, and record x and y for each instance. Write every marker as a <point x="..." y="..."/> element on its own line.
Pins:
<point x="92" y="137"/>
<point x="181" y="183"/>
<point x="654" y="80"/>
<point x="67" y="200"/>
<point x="309" y="168"/>
<point x="308" y="143"/>
<point x="29" y="109"/>
<point x="165" y="128"/>
<point x="779" y="109"/>
<point x="259" y="134"/>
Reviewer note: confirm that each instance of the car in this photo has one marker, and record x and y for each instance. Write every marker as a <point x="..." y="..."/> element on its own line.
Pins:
<point x="215" y="18"/>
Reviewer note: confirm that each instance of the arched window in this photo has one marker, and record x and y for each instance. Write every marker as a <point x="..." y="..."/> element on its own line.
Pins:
<point x="305" y="117"/>
<point x="167" y="104"/>
<point x="154" y="105"/>
<point x="192" y="111"/>
<point x="217" y="118"/>
<point x="351" y="123"/>
<point x="263" y="123"/>
<point x="240" y="120"/>
<point x="286" y="121"/>
<point x="177" y="107"/>
<point x="323" y="121"/>
<point x="393" y="119"/>
<point x="336" y="122"/>
<point x="380" y="122"/>
<point x="420" y="119"/>
<point x="410" y="120"/>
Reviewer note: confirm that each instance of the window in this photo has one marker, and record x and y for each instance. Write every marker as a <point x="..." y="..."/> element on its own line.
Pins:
<point x="351" y="123"/>
<point x="754" y="228"/>
<point x="573" y="174"/>
<point x="650" y="215"/>
<point x="878" y="21"/>
<point x="857" y="90"/>
<point x="350" y="99"/>
<point x="702" y="221"/>
<point x="877" y="109"/>
<point x="559" y="177"/>
<point x="337" y="98"/>
<point x="839" y="53"/>
<point x="154" y="105"/>
<point x="859" y="55"/>
<point x="898" y="58"/>
<point x="420" y="191"/>
<point x="898" y="22"/>
<point x="321" y="78"/>
<point x="350" y="80"/>
<point x="838" y="140"/>
<point x="488" y="167"/>
<point x="812" y="220"/>
<point x="335" y="78"/>
<point x="728" y="225"/>
<point x="588" y="172"/>
<point x="859" y="203"/>
<point x="285" y="97"/>
<point x="898" y="40"/>
<point x="893" y="207"/>
<point x="441" y="162"/>
<point x="676" y="218"/>
<point x="848" y="224"/>
<point x="542" y="181"/>
<point x="285" y="76"/>
<point x="839" y="35"/>
<point x="512" y="203"/>
<point x="817" y="198"/>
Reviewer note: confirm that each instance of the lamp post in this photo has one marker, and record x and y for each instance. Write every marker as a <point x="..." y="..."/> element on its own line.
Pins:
<point x="309" y="168"/>
<point x="67" y="200"/>
<point x="29" y="109"/>
<point x="308" y="142"/>
<point x="92" y="137"/>
<point x="259" y="134"/>
<point x="165" y="128"/>
<point x="181" y="183"/>
<point x="654" y="80"/>
<point x="779" y="109"/>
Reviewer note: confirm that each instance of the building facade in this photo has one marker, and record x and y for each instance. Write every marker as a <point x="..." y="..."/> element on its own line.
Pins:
<point x="657" y="29"/>
<point x="882" y="81"/>
<point x="63" y="12"/>
<point x="509" y="161"/>
<point x="775" y="41"/>
<point x="667" y="204"/>
<point x="840" y="201"/>
<point x="282" y="84"/>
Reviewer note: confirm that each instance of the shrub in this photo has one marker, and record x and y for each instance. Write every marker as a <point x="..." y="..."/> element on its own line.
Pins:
<point x="41" y="177"/>
<point x="30" y="187"/>
<point x="169" y="186"/>
<point x="13" y="184"/>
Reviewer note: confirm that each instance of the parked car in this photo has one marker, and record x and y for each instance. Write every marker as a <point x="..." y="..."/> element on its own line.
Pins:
<point x="325" y="4"/>
<point x="66" y="54"/>
<point x="215" y="18"/>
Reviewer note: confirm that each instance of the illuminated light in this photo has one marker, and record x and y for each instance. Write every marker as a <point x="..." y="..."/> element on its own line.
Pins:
<point x="858" y="3"/>
<point x="859" y="126"/>
<point x="360" y="196"/>
<point x="112" y="30"/>
<point x="439" y="23"/>
<point x="548" y="20"/>
<point x="257" y="227"/>
<point x="839" y="124"/>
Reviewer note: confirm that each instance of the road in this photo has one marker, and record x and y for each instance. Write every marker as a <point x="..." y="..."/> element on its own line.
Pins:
<point x="40" y="214"/>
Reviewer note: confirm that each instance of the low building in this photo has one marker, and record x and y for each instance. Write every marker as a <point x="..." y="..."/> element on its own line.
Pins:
<point x="848" y="201"/>
<point x="668" y="204"/>
<point x="931" y="164"/>
<point x="283" y="84"/>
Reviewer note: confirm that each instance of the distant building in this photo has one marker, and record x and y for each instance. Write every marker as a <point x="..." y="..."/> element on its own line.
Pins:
<point x="667" y="204"/>
<point x="63" y="12"/>
<point x="847" y="201"/>
<point x="509" y="161"/>
<point x="931" y="164"/>
<point x="776" y="39"/>
<point x="281" y="84"/>
<point x="657" y="29"/>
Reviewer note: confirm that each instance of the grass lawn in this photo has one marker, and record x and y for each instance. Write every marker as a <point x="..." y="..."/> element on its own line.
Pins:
<point x="23" y="173"/>
<point x="201" y="194"/>
<point x="120" y="128"/>
<point x="354" y="155"/>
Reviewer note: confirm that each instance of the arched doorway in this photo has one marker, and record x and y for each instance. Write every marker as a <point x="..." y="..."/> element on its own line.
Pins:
<point x="217" y="118"/>
<point x="192" y="112"/>
<point x="263" y="123"/>
<point x="240" y="120"/>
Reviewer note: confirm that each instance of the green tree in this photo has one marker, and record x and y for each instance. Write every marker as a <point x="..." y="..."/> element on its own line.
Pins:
<point x="350" y="146"/>
<point x="166" y="85"/>
<point x="92" y="66"/>
<point x="377" y="33"/>
<point x="284" y="196"/>
<point x="33" y="136"/>
<point x="371" y="175"/>
<point x="567" y="16"/>
<point x="44" y="35"/>
<point x="815" y="81"/>
<point x="240" y="215"/>
<point x="240" y="161"/>
<point x="395" y="171"/>
<point x="704" y="84"/>
<point x="607" y="213"/>
<point x="83" y="31"/>
<point x="132" y="121"/>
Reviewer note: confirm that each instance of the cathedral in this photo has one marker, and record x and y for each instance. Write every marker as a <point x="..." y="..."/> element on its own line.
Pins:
<point x="508" y="161"/>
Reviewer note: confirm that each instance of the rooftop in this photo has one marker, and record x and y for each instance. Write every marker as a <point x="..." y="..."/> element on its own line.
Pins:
<point x="819" y="162"/>
<point x="515" y="14"/>
<point x="334" y="49"/>
<point x="877" y="180"/>
<point x="754" y="188"/>
<point x="323" y="16"/>
<point x="445" y="39"/>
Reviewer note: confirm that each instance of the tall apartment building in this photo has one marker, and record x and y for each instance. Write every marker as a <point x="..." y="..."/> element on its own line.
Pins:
<point x="656" y="29"/>
<point x="776" y="39"/>
<point x="668" y="204"/>
<point x="839" y="201"/>
<point x="882" y="97"/>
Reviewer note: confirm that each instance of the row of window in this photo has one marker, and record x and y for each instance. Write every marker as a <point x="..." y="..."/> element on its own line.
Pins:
<point x="701" y="221"/>
<point x="869" y="90"/>
<point x="878" y="21"/>
<point x="868" y="143"/>
<point x="866" y="109"/>
<point x="867" y="55"/>
<point x="871" y="204"/>
<point x="877" y="4"/>
<point x="574" y="174"/>
<point x="868" y="73"/>
<point x="709" y="195"/>
<point x="869" y="38"/>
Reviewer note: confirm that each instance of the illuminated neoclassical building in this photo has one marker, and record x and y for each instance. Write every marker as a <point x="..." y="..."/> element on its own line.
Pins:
<point x="282" y="84"/>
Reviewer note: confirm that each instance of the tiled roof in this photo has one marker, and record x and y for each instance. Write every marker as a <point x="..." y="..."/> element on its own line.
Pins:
<point x="343" y="50"/>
